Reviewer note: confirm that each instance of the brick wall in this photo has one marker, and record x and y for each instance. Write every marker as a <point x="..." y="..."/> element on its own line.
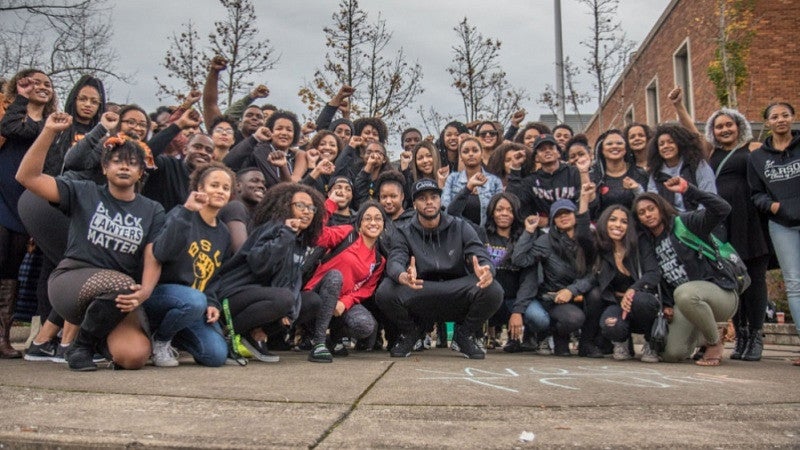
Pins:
<point x="774" y="64"/>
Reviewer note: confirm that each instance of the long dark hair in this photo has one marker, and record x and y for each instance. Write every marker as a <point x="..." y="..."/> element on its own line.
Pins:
<point x="277" y="206"/>
<point x="497" y="161"/>
<point x="10" y="90"/>
<point x="516" y="224"/>
<point x="604" y="243"/>
<point x="568" y="249"/>
<point x="689" y="147"/>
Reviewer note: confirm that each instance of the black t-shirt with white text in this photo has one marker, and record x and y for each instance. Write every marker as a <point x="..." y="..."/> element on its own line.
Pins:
<point x="106" y="232"/>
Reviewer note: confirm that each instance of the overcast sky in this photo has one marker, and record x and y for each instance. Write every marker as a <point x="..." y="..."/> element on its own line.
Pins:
<point x="424" y="28"/>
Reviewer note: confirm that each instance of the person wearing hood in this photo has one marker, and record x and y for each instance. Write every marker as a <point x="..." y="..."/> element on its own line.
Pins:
<point x="553" y="181"/>
<point x="774" y="175"/>
<point x="618" y="181"/>
<point x="343" y="127"/>
<point x="438" y="269"/>
<point x="729" y="141"/>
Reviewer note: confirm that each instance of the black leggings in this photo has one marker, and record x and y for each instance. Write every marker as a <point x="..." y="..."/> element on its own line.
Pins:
<point x="74" y="285"/>
<point x="753" y="301"/>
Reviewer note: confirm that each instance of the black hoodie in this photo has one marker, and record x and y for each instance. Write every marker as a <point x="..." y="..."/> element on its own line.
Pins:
<point x="539" y="190"/>
<point x="54" y="162"/>
<point x="774" y="176"/>
<point x="443" y="253"/>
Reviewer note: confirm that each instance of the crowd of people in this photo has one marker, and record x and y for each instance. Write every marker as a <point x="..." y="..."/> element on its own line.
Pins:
<point x="244" y="233"/>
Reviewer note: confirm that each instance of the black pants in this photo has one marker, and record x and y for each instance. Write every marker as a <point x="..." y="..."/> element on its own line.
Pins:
<point x="644" y="310"/>
<point x="459" y="300"/>
<point x="753" y="301"/>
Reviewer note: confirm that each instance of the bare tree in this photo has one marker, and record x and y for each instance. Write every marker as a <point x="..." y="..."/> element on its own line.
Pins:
<point x="384" y="86"/>
<point x="185" y="62"/>
<point x="236" y="39"/>
<point x="478" y="77"/>
<point x="64" y="38"/>
<point x="575" y="98"/>
<point x="608" y="46"/>
<point x="432" y="120"/>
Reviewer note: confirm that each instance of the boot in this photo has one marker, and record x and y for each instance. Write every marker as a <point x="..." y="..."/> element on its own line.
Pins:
<point x="755" y="345"/>
<point x="561" y="345"/>
<point x="101" y="317"/>
<point x="741" y="343"/>
<point x="8" y="297"/>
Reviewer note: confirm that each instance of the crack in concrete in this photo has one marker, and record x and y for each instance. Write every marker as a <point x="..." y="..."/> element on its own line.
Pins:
<point x="352" y="408"/>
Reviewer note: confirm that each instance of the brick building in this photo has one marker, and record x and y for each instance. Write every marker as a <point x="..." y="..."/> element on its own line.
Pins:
<point x="677" y="52"/>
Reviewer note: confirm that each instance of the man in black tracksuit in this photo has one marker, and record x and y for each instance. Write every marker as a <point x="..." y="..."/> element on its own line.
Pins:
<point x="438" y="269"/>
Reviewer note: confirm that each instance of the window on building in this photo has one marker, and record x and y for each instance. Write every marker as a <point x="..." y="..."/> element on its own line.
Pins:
<point x="651" y="101"/>
<point x="683" y="74"/>
<point x="629" y="118"/>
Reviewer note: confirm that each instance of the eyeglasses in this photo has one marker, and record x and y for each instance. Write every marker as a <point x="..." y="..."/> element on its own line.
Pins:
<point x="487" y="133"/>
<point x="133" y="123"/>
<point x="227" y="131"/>
<point x="377" y="219"/>
<point x="302" y="207"/>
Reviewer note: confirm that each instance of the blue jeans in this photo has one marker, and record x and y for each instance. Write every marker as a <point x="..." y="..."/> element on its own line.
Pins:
<point x="787" y="248"/>
<point x="177" y="313"/>
<point x="536" y="318"/>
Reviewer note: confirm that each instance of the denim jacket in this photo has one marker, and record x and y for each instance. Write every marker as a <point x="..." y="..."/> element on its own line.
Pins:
<point x="457" y="183"/>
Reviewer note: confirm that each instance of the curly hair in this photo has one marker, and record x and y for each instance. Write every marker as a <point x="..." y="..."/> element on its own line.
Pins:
<point x="202" y="172"/>
<point x="389" y="177"/>
<point x="288" y="115"/>
<point x="277" y="206"/>
<point x="125" y="149"/>
<point x="538" y="126"/>
<point x="437" y="160"/>
<point x="648" y="132"/>
<point x="688" y="143"/>
<point x="460" y="128"/>
<point x="497" y="160"/>
<point x="374" y="122"/>
<point x="10" y="90"/>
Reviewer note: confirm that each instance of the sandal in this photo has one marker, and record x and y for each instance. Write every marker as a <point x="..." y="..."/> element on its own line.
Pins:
<point x="713" y="355"/>
<point x="796" y="362"/>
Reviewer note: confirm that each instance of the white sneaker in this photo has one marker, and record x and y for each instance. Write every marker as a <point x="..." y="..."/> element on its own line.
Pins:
<point x="621" y="352"/>
<point x="164" y="355"/>
<point x="544" y="348"/>
<point x="648" y="354"/>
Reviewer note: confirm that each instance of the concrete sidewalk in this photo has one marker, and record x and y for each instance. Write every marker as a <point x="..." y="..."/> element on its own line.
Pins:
<point x="435" y="398"/>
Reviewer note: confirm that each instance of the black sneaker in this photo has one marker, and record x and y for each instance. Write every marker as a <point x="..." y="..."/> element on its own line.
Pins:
<point x="41" y="352"/>
<point x="467" y="344"/>
<point x="339" y="349"/>
<point x="405" y="345"/>
<point x="512" y="346"/>
<point x="589" y="350"/>
<point x="259" y="349"/>
<point x="80" y="358"/>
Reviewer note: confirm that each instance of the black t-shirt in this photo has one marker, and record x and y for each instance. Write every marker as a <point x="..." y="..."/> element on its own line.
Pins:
<point x="190" y="250"/>
<point x="236" y="211"/>
<point x="472" y="210"/>
<point x="104" y="231"/>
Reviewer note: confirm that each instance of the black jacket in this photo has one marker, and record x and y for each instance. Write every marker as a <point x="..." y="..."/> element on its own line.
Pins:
<point x="644" y="259"/>
<point x="271" y="256"/>
<point x="251" y="153"/>
<point x="557" y="273"/>
<point x="444" y="253"/>
<point x="774" y="176"/>
<point x="679" y="263"/>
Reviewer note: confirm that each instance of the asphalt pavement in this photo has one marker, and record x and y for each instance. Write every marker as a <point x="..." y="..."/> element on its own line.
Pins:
<point x="435" y="399"/>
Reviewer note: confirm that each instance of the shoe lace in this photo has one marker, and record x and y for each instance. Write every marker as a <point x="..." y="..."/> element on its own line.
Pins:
<point x="166" y="352"/>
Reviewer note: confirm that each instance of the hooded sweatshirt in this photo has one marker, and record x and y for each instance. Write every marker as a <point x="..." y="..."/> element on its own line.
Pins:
<point x="443" y="253"/>
<point x="774" y="176"/>
<point x="54" y="163"/>
<point x="539" y="190"/>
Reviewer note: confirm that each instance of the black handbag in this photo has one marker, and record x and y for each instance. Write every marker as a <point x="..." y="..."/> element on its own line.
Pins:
<point x="660" y="330"/>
